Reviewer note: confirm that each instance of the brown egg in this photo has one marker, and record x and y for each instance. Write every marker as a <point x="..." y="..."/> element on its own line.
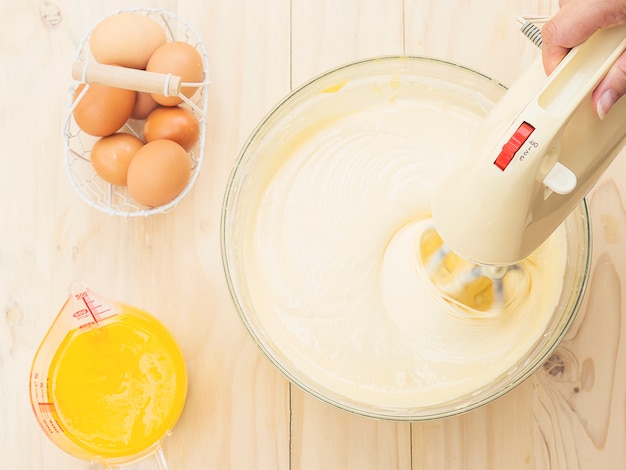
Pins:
<point x="158" y="173"/>
<point x="111" y="156"/>
<point x="180" y="59"/>
<point x="173" y="123"/>
<point x="126" y="39"/>
<point x="144" y="105"/>
<point x="103" y="109"/>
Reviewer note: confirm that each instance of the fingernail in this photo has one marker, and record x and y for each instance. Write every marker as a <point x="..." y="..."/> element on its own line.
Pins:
<point x="605" y="102"/>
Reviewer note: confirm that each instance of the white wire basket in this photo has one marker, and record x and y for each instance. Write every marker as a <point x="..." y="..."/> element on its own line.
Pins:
<point x="115" y="200"/>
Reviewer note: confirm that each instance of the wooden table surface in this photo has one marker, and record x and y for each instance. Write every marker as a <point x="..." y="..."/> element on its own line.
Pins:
<point x="241" y="413"/>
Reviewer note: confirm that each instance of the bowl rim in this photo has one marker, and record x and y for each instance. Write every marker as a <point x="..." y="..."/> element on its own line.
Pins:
<point x="439" y="410"/>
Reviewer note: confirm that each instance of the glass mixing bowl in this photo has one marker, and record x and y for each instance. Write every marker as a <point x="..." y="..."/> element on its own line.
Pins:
<point x="317" y="105"/>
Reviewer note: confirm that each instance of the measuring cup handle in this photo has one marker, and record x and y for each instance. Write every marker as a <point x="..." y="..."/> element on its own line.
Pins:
<point x="156" y="461"/>
<point x="123" y="77"/>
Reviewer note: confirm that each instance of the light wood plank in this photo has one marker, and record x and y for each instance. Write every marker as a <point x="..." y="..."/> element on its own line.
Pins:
<point x="580" y="403"/>
<point x="483" y="35"/>
<point x="487" y="39"/>
<point x="238" y="407"/>
<point x="170" y="265"/>
<point x="324" y="437"/>
<point x="325" y="35"/>
<point x="497" y="435"/>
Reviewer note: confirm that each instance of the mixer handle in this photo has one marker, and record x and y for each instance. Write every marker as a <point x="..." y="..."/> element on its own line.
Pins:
<point x="581" y="70"/>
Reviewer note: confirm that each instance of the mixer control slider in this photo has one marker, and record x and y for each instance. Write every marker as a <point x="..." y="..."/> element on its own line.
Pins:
<point x="513" y="145"/>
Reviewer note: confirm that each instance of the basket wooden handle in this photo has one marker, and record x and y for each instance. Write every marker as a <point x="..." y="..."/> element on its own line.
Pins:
<point x="123" y="77"/>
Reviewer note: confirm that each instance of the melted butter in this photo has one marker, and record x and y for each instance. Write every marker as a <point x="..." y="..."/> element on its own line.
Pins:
<point x="333" y="259"/>
<point x="119" y="388"/>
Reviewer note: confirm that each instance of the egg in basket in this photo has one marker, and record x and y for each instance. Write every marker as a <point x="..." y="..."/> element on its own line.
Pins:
<point x="136" y="128"/>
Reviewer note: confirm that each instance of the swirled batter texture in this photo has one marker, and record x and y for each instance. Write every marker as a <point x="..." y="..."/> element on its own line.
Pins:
<point x="334" y="270"/>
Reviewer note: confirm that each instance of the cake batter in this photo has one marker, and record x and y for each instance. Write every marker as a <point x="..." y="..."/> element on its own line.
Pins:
<point x="333" y="261"/>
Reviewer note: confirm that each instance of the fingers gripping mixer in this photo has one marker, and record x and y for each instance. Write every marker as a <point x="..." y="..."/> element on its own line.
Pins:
<point x="533" y="159"/>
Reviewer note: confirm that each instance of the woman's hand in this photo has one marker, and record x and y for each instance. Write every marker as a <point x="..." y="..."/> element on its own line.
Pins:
<point x="575" y="22"/>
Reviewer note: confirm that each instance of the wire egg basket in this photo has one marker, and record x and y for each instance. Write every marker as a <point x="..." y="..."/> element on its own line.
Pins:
<point x="95" y="191"/>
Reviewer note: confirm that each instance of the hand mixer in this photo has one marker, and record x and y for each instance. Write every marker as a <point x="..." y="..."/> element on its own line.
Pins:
<point x="533" y="159"/>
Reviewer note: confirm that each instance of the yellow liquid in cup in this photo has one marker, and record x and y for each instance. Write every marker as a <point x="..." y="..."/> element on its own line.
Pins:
<point x="118" y="388"/>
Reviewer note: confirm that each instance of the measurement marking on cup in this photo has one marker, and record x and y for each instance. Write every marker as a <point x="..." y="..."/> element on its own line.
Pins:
<point x="90" y="308"/>
<point x="94" y="310"/>
<point x="47" y="407"/>
<point x="48" y="419"/>
<point x="97" y="312"/>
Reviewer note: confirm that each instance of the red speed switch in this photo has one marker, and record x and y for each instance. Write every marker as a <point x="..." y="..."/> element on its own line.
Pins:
<point x="513" y="145"/>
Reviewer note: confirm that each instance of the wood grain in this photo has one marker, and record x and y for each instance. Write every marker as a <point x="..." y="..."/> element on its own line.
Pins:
<point x="498" y="435"/>
<point x="241" y="412"/>
<point x="342" y="32"/>
<point x="580" y="403"/>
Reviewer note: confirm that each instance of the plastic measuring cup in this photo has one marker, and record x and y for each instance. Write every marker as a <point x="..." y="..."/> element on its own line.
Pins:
<point x="108" y="382"/>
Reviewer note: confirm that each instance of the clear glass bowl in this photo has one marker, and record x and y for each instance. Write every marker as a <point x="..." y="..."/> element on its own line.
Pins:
<point x="262" y="154"/>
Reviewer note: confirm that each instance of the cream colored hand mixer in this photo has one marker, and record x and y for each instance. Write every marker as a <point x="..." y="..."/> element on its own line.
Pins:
<point x="535" y="156"/>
